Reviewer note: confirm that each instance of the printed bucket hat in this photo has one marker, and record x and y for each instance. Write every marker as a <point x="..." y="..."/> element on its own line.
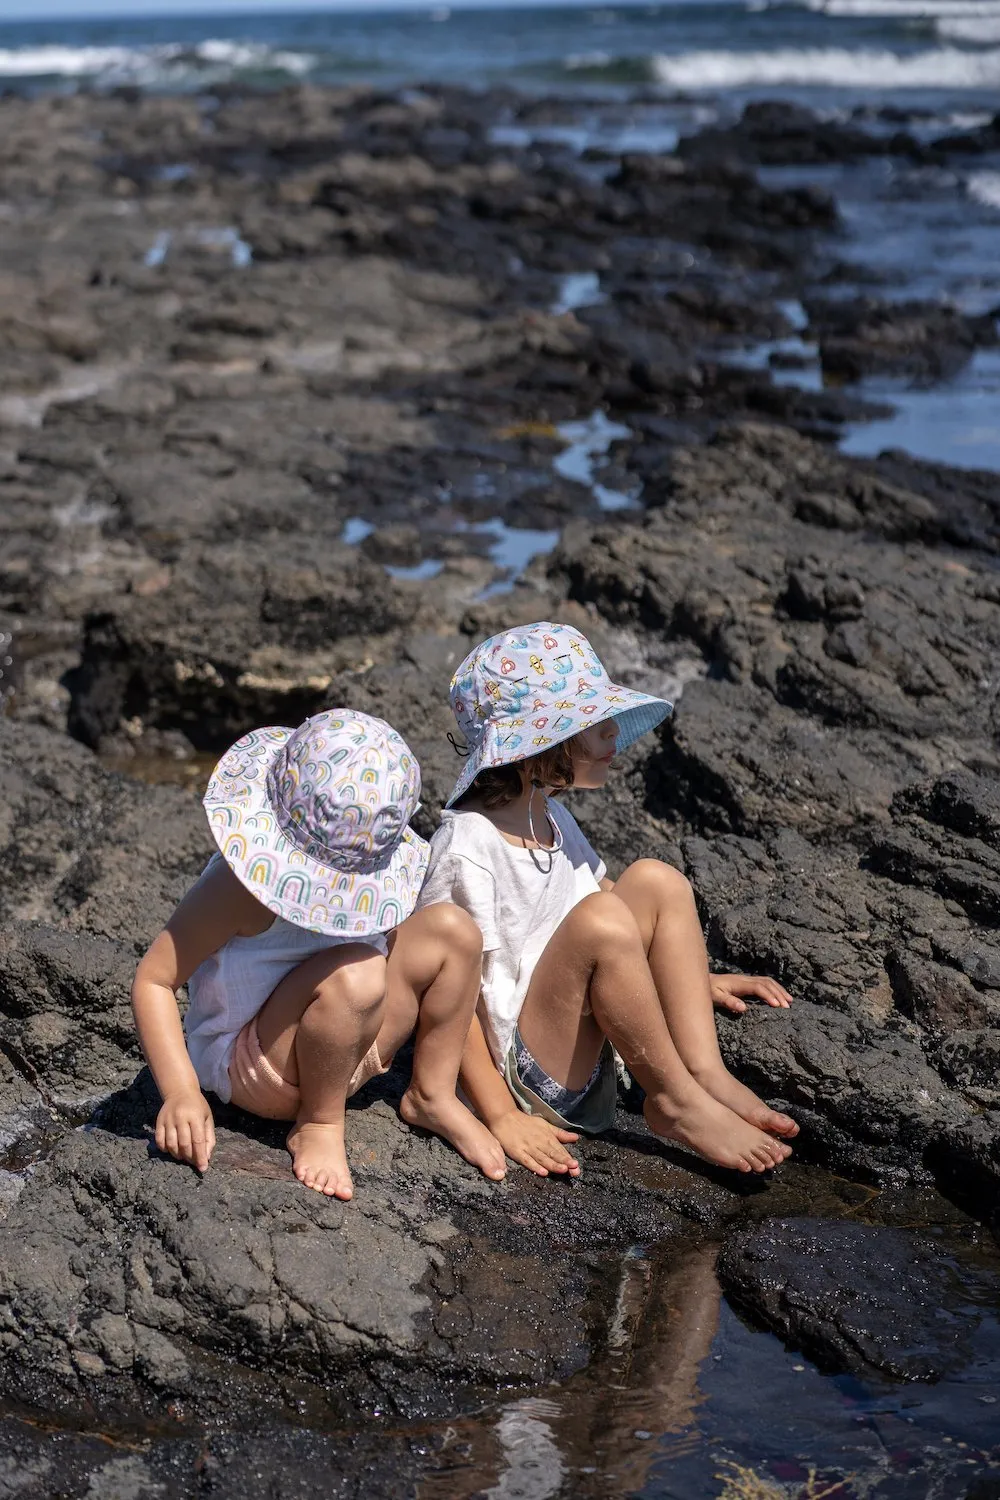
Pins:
<point x="313" y="821"/>
<point x="526" y="689"/>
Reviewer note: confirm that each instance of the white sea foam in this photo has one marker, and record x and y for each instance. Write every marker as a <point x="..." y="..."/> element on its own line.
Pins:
<point x="239" y="55"/>
<point x="981" y="30"/>
<point x="214" y="58"/>
<point x="984" y="187"/>
<point x="69" y="62"/>
<point x="904" y="8"/>
<point x="830" y="67"/>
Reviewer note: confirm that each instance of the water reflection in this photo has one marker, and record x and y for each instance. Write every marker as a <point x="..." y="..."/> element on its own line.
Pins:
<point x="661" y="1335"/>
<point x="603" y="1432"/>
<point x="534" y="1466"/>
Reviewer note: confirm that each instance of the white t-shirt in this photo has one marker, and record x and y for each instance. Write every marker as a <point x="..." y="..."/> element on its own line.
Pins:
<point x="517" y="897"/>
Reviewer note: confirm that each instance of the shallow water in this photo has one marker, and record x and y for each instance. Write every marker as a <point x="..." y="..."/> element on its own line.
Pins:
<point x="957" y="422"/>
<point x="687" y="1401"/>
<point x="587" y="441"/>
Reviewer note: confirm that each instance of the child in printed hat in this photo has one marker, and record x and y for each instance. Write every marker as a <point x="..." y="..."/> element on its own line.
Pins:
<point x="305" y="968"/>
<point x="576" y="965"/>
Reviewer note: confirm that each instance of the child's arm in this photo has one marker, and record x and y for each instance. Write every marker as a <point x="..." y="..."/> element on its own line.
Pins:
<point x="213" y="911"/>
<point x="527" y="1139"/>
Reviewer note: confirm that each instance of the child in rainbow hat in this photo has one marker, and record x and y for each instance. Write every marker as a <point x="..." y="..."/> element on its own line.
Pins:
<point x="575" y="965"/>
<point x="305" y="963"/>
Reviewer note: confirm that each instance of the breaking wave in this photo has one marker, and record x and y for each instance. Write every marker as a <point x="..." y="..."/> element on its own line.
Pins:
<point x="905" y="9"/>
<point x="980" y="31"/>
<point x="207" y="61"/>
<point x="984" y="187"/>
<point x="830" y="67"/>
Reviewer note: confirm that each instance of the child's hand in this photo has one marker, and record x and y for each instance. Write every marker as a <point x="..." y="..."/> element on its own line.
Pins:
<point x="535" y="1143"/>
<point x="185" y="1128"/>
<point x="728" y="988"/>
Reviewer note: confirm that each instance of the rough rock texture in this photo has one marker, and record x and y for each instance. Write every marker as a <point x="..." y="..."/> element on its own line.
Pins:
<point x="861" y="1298"/>
<point x="832" y="782"/>
<point x="120" y="1269"/>
<point x="918" y="339"/>
<point x="229" y="402"/>
<point x="125" y="1281"/>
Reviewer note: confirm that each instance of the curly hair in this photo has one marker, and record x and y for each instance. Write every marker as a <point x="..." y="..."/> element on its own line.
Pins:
<point x="497" y="785"/>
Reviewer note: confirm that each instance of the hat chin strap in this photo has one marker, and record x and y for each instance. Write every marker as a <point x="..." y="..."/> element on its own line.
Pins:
<point x="557" y="838"/>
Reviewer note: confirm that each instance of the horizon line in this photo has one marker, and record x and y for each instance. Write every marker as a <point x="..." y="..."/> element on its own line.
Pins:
<point x="193" y="9"/>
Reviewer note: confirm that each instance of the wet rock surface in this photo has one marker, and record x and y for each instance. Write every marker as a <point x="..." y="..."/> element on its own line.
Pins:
<point x="287" y="430"/>
<point x="858" y="1298"/>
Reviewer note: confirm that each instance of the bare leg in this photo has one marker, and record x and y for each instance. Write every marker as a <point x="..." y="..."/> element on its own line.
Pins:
<point x="314" y="1030"/>
<point x="435" y="969"/>
<point x="593" y="981"/>
<point x="662" y="902"/>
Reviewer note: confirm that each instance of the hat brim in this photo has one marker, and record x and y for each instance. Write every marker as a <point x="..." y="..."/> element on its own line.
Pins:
<point x="637" y="714"/>
<point x="296" y="887"/>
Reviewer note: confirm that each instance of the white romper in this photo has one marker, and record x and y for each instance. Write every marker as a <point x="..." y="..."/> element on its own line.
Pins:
<point x="231" y="986"/>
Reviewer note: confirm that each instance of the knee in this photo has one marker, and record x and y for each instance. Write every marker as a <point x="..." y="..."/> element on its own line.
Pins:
<point x="454" y="929"/>
<point x="665" y="883"/>
<point x="357" y="989"/>
<point x="607" y="921"/>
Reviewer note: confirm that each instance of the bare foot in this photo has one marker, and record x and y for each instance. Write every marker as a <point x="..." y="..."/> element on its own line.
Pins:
<point x="449" y="1118"/>
<point x="744" y="1102"/>
<point x="319" y="1159"/>
<point x="715" y="1132"/>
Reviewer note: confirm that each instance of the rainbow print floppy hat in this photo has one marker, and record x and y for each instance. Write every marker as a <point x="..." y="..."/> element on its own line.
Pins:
<point x="526" y="689"/>
<point x="313" y="821"/>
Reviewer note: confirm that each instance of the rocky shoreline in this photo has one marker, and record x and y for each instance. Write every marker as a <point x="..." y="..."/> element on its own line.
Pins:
<point x="284" y="404"/>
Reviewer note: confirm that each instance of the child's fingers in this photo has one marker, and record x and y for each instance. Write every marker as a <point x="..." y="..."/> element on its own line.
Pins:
<point x="567" y="1136"/>
<point x="557" y="1159"/>
<point x="199" y="1149"/>
<point x="725" y="1001"/>
<point x="768" y="990"/>
<point x="772" y="992"/>
<point x="184" y="1147"/>
<point x="209" y="1139"/>
<point x="170" y="1140"/>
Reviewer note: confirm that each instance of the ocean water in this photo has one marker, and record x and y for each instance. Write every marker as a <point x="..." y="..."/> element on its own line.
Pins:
<point x="823" y="49"/>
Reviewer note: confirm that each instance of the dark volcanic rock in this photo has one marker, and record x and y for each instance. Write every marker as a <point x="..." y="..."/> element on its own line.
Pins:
<point x="773" y="133"/>
<point x="923" y="340"/>
<point x="854" y="1297"/>
<point x="126" y="1281"/>
<point x="894" y="960"/>
<point x="64" y="997"/>
<point x="88" y="850"/>
<point x="120" y="1270"/>
<point x="830" y="786"/>
<point x="184" y="445"/>
<point x="251" y="637"/>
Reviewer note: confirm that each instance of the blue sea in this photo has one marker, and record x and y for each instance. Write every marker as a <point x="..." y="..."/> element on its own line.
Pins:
<point x="932" y="52"/>
<point x="640" y="76"/>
